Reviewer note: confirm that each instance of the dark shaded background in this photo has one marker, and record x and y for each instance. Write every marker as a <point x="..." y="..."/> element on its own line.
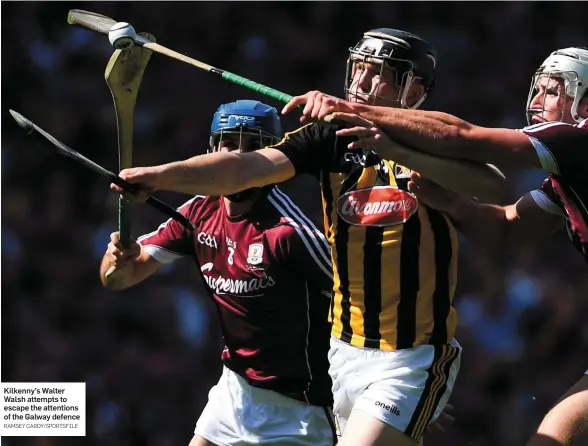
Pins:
<point x="149" y="355"/>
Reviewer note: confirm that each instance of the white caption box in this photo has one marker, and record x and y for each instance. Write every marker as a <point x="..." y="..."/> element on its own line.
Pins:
<point x="43" y="409"/>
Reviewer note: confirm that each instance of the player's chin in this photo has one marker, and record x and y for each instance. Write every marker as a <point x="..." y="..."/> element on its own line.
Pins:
<point x="537" y="119"/>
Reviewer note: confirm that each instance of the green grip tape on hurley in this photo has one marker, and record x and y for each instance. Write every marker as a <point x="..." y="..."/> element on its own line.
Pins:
<point x="259" y="88"/>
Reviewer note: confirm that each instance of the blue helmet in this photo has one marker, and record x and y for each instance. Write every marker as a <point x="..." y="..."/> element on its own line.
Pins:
<point x="246" y="116"/>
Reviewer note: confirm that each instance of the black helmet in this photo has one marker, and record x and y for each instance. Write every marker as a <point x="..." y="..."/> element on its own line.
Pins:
<point x="411" y="57"/>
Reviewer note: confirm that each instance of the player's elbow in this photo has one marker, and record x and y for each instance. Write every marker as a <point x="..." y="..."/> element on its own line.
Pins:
<point x="513" y="232"/>
<point x="116" y="281"/>
<point x="112" y="283"/>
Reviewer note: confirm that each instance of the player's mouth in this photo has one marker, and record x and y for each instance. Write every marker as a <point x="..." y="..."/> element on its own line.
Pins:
<point x="536" y="119"/>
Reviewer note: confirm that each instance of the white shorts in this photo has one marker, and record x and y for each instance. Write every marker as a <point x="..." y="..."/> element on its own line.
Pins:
<point x="406" y="389"/>
<point x="240" y="414"/>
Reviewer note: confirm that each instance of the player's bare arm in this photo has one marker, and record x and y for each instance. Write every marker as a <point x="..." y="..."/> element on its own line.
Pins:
<point x="461" y="176"/>
<point x="491" y="227"/>
<point x="133" y="265"/>
<point x="436" y="133"/>
<point x="566" y="423"/>
<point x="221" y="173"/>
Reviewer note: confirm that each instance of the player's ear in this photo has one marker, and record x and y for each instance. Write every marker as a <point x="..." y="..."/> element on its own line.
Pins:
<point x="583" y="106"/>
<point x="416" y="91"/>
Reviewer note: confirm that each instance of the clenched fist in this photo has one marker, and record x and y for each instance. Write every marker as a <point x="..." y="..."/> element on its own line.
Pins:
<point x="118" y="256"/>
<point x="144" y="177"/>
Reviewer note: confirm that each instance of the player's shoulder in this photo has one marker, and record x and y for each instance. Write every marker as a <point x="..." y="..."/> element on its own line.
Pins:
<point x="312" y="132"/>
<point x="194" y="202"/>
<point x="199" y="205"/>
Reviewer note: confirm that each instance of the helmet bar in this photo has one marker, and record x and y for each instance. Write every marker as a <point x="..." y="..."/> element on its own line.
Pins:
<point x="404" y="78"/>
<point x="571" y="66"/>
<point x="410" y="56"/>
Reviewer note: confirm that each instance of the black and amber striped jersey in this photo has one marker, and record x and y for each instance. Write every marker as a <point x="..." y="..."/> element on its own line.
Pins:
<point x="394" y="260"/>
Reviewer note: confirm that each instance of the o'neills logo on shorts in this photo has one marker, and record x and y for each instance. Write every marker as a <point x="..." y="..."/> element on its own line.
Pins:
<point x="377" y="206"/>
<point x="388" y="407"/>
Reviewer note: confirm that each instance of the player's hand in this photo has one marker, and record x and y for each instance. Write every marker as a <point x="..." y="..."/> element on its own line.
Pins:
<point x="118" y="256"/>
<point x="144" y="177"/>
<point x="436" y="196"/>
<point x="369" y="136"/>
<point x="318" y="105"/>
<point x="444" y="420"/>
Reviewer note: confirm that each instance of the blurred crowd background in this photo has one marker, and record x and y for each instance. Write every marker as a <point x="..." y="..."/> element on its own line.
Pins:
<point x="150" y="354"/>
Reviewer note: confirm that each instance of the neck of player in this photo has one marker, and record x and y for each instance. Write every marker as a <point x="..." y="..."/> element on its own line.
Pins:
<point x="237" y="209"/>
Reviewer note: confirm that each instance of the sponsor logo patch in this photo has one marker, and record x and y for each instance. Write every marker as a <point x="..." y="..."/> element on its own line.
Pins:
<point x="229" y="285"/>
<point x="255" y="254"/>
<point x="377" y="206"/>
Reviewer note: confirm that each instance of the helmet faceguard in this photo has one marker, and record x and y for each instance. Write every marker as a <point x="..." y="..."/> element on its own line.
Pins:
<point x="411" y="57"/>
<point x="240" y="118"/>
<point x="571" y="66"/>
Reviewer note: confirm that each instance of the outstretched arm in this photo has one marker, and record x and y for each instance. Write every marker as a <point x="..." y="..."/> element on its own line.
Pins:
<point x="479" y="180"/>
<point x="214" y="174"/>
<point x="446" y="135"/>
<point x="490" y="227"/>
<point x="304" y="150"/>
<point x="435" y="133"/>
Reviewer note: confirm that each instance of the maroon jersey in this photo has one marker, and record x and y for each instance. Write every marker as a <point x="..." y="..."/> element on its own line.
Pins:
<point x="270" y="275"/>
<point x="563" y="151"/>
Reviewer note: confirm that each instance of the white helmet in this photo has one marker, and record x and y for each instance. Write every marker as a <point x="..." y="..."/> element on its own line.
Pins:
<point x="570" y="65"/>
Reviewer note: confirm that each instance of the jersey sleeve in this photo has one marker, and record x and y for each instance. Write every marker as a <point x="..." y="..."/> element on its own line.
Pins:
<point x="561" y="147"/>
<point x="305" y="247"/>
<point x="309" y="148"/>
<point x="171" y="241"/>
<point x="547" y="199"/>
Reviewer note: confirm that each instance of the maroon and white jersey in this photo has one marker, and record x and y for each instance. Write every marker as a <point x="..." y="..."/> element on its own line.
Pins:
<point x="563" y="151"/>
<point x="270" y="275"/>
